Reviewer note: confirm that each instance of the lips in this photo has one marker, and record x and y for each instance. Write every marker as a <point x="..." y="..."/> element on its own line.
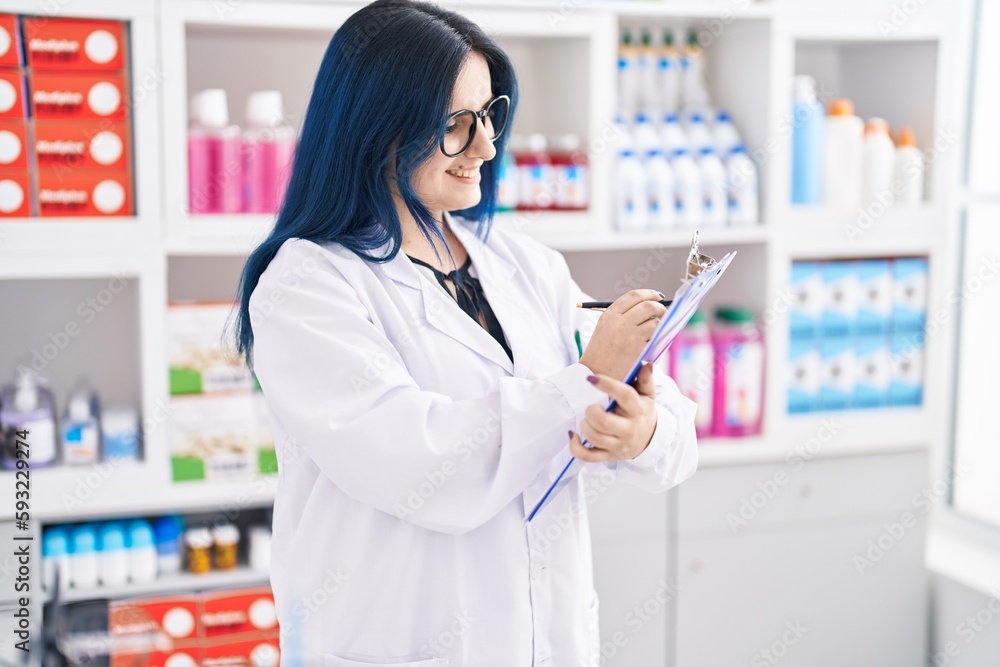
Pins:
<point x="468" y="174"/>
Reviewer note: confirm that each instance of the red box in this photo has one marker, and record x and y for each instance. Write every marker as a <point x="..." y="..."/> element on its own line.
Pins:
<point x="13" y="100"/>
<point x="63" y="191"/>
<point x="182" y="654"/>
<point x="261" y="650"/>
<point x="78" y="95"/>
<point x="10" y="41"/>
<point x="15" y="193"/>
<point x="174" y="617"/>
<point x="14" y="144"/>
<point x="239" y="611"/>
<point x="77" y="44"/>
<point x="104" y="144"/>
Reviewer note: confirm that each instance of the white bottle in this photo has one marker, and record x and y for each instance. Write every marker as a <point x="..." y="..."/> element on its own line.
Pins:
<point x="694" y="92"/>
<point x="843" y="157"/>
<point x="669" y="72"/>
<point x="632" y="208"/>
<point x="628" y="72"/>
<point x="660" y="184"/>
<point x="645" y="135"/>
<point x="112" y="559"/>
<point x="713" y="188"/>
<point x="672" y="135"/>
<point x="83" y="557"/>
<point x="698" y="134"/>
<point x="623" y="136"/>
<point x="909" y="169"/>
<point x="142" y="566"/>
<point x="646" y="60"/>
<point x="879" y="163"/>
<point x="724" y="134"/>
<point x="687" y="189"/>
<point x="742" y="186"/>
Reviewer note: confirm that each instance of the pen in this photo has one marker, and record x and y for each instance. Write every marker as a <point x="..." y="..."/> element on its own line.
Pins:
<point x="606" y="304"/>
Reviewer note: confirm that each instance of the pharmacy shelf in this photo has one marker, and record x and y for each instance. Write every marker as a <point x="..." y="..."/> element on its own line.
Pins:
<point x="167" y="584"/>
<point x="818" y="233"/>
<point x="218" y="234"/>
<point x="671" y="238"/>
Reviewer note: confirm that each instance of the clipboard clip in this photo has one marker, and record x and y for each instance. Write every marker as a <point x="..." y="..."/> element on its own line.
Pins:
<point x="697" y="263"/>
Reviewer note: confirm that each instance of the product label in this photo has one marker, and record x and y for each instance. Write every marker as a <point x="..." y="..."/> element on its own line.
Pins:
<point x="572" y="190"/>
<point x="80" y="444"/>
<point x="744" y="371"/>
<point x="694" y="377"/>
<point x="41" y="440"/>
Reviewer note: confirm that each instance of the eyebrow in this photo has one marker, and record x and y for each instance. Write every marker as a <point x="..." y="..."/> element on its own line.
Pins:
<point x="480" y="108"/>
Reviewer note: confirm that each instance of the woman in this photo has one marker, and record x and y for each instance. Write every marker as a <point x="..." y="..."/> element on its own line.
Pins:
<point x="420" y="372"/>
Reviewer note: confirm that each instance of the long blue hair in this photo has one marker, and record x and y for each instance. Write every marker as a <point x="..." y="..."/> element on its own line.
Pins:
<point x="381" y="96"/>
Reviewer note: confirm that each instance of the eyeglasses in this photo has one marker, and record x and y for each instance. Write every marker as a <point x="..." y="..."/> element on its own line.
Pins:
<point x="460" y="128"/>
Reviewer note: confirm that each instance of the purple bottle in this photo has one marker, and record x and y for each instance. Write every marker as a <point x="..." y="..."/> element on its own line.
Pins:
<point x="27" y="405"/>
<point x="214" y="163"/>
<point x="268" y="148"/>
<point x="692" y="361"/>
<point x="739" y="373"/>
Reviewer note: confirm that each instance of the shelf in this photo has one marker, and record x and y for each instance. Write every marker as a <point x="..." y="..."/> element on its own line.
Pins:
<point x="168" y="584"/>
<point x="236" y="234"/>
<point x="818" y="233"/>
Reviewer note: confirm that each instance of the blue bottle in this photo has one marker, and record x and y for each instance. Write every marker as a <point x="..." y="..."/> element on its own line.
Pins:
<point x="808" y="120"/>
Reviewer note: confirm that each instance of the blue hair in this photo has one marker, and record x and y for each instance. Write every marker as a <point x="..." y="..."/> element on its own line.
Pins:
<point x="377" y="103"/>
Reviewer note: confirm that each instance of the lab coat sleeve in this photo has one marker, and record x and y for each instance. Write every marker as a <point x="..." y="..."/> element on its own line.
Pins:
<point x="672" y="453"/>
<point x="342" y="394"/>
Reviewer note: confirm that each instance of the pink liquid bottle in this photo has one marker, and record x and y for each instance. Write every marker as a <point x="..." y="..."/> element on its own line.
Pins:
<point x="570" y="173"/>
<point x="692" y="359"/>
<point x="739" y="373"/>
<point x="536" y="185"/>
<point x="268" y="148"/>
<point x="214" y="162"/>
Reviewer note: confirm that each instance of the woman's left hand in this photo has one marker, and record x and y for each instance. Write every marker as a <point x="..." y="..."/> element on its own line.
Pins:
<point x="624" y="433"/>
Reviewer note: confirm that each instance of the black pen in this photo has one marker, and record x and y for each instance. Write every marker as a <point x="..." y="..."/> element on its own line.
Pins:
<point x="606" y="304"/>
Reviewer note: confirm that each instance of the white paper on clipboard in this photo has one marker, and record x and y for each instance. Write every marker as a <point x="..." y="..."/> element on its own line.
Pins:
<point x="686" y="300"/>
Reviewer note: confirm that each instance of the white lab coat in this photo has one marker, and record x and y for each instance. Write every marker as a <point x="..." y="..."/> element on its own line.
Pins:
<point x="410" y="449"/>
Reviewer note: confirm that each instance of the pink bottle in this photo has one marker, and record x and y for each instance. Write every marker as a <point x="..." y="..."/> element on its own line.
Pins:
<point x="692" y="358"/>
<point x="739" y="373"/>
<point x="570" y="173"/>
<point x="214" y="163"/>
<point x="536" y="184"/>
<point x="268" y="147"/>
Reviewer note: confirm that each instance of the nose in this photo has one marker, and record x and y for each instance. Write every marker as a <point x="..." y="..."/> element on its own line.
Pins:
<point x="481" y="146"/>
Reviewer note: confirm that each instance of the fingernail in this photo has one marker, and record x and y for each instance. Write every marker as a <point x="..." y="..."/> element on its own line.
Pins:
<point x="662" y="295"/>
<point x="593" y="379"/>
<point x="570" y="434"/>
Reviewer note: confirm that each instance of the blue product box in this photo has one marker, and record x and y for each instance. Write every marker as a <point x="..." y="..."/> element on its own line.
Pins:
<point x="840" y="300"/>
<point x="875" y="296"/>
<point x="805" y="312"/>
<point x="837" y="373"/>
<point x="907" y="384"/>
<point x="804" y="374"/>
<point x="873" y="371"/>
<point x="909" y="287"/>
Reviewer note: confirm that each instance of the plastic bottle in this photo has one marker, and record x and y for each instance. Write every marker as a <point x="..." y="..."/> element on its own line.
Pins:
<point x="83" y="557"/>
<point x="268" y="149"/>
<point x="214" y="164"/>
<point x="198" y="540"/>
<point x="628" y="72"/>
<point x="645" y="135"/>
<point x="120" y="434"/>
<point x="739" y="373"/>
<point x="260" y="548"/>
<point x="571" y="173"/>
<point x="646" y="60"/>
<point x="226" y="543"/>
<point x="167" y="531"/>
<point x="141" y="551"/>
<point x="842" y="156"/>
<point x="660" y="184"/>
<point x="698" y="134"/>
<point x="692" y="361"/>
<point x="879" y="163"/>
<point x="715" y="198"/>
<point x="909" y="169"/>
<point x="687" y="189"/>
<point x="669" y="74"/>
<point x="81" y="427"/>
<point x="55" y="558"/>
<point x="694" y="92"/>
<point x="535" y="186"/>
<point x="112" y="557"/>
<point x="725" y="136"/>
<point x="632" y="208"/>
<point x="27" y="405"/>
<point x="742" y="187"/>
<point x="672" y="135"/>
<point x="507" y="192"/>
<point x="808" y="137"/>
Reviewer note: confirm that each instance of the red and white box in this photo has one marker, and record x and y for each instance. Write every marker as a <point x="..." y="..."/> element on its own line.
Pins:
<point x="103" y="144"/>
<point x="15" y="193"/>
<point x="176" y="618"/>
<point x="14" y="144"/>
<point x="78" y="44"/>
<point x="78" y="95"/>
<point x="239" y="611"/>
<point x="13" y="94"/>
<point x="10" y="41"/>
<point x="249" y="651"/>
<point x="186" y="654"/>
<point x="65" y="191"/>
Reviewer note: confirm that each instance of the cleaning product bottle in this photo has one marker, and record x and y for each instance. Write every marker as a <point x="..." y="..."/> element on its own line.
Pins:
<point x="660" y="182"/>
<point x="268" y="149"/>
<point x="645" y="135"/>
<point x="698" y="134"/>
<point x="27" y="408"/>
<point x="112" y="558"/>
<point x="536" y="186"/>
<point x="843" y="157"/>
<point x="879" y="163"/>
<point x="55" y="558"/>
<point x="715" y="198"/>
<point x="632" y="208"/>
<point x="120" y="434"/>
<point x="83" y="557"/>
<point x="691" y="364"/>
<point x="214" y="164"/>
<point x="909" y="169"/>
<point x="739" y="373"/>
<point x="168" y="531"/>
<point x="694" y="92"/>
<point x="742" y="187"/>
<point x="808" y="137"/>
<point x="647" y="65"/>
<point x="81" y="427"/>
<point x="141" y="551"/>
<point x="571" y="173"/>
<point x="725" y="136"/>
<point x="669" y="74"/>
<point x="687" y="189"/>
<point x="628" y="72"/>
<point x="672" y="135"/>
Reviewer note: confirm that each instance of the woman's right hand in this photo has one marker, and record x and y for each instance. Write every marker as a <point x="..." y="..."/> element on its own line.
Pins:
<point x="622" y="332"/>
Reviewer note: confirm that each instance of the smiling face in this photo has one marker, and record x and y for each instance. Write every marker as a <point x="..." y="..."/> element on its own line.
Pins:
<point x="452" y="183"/>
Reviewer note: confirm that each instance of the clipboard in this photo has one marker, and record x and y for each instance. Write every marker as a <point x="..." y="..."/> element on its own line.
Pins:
<point x="702" y="274"/>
